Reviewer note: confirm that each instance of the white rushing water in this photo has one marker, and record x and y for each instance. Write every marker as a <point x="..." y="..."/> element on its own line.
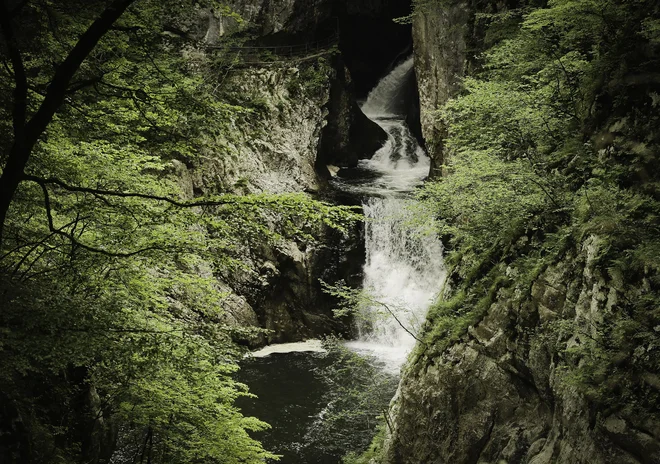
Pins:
<point x="386" y="99"/>
<point x="404" y="268"/>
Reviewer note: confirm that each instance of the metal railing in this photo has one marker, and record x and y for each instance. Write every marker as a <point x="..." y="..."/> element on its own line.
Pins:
<point x="275" y="53"/>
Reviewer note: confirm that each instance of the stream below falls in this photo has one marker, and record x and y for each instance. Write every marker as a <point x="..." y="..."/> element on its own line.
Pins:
<point x="402" y="274"/>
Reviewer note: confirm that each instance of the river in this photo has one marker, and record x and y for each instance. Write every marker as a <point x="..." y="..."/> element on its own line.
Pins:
<point x="402" y="275"/>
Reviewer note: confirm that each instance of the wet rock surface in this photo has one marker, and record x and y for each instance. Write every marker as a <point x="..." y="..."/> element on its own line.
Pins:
<point x="499" y="394"/>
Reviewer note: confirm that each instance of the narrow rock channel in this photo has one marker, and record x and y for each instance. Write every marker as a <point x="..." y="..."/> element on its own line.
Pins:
<point x="402" y="273"/>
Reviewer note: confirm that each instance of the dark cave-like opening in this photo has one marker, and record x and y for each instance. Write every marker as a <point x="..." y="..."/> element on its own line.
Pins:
<point x="371" y="41"/>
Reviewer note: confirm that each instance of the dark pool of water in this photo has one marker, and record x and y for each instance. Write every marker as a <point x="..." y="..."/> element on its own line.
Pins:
<point x="290" y="399"/>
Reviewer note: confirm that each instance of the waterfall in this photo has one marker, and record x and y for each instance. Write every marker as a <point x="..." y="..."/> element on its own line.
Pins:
<point x="404" y="269"/>
<point x="387" y="97"/>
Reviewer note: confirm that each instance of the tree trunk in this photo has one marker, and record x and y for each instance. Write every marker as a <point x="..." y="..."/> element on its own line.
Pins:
<point x="11" y="176"/>
<point x="27" y="134"/>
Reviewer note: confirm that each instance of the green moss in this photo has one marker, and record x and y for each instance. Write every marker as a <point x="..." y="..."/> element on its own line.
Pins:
<point x="449" y="320"/>
<point x="312" y="80"/>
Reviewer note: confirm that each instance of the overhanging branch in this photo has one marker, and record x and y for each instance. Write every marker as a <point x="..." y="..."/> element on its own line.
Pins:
<point x="398" y="321"/>
<point x="62" y="233"/>
<point x="59" y="85"/>
<point x="114" y="193"/>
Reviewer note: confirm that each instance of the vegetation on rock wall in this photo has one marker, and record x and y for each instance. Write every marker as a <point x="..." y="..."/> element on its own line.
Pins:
<point x="113" y="337"/>
<point x="551" y="184"/>
<point x="552" y="142"/>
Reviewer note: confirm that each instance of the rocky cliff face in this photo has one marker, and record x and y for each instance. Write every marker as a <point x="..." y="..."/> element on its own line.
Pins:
<point x="301" y="116"/>
<point x="266" y="17"/>
<point x="447" y="39"/>
<point x="505" y="391"/>
<point x="349" y="135"/>
<point x="275" y="150"/>
<point x="501" y="393"/>
<point x="440" y="37"/>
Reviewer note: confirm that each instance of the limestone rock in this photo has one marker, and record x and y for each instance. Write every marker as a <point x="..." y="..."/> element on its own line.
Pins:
<point x="440" y="38"/>
<point x="276" y="151"/>
<point x="498" y="395"/>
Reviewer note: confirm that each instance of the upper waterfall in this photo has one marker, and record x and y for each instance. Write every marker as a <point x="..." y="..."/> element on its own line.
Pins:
<point x="386" y="99"/>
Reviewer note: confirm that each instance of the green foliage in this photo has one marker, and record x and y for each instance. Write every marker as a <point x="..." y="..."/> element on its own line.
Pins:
<point x="373" y="454"/>
<point x="550" y="145"/>
<point x="312" y="79"/>
<point x="135" y="302"/>
<point x="420" y="7"/>
<point x="118" y="326"/>
<point x="484" y="198"/>
<point x="111" y="314"/>
<point x="315" y="77"/>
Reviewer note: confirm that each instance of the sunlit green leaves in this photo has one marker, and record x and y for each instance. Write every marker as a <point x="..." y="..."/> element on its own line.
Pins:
<point x="110" y="270"/>
<point x="549" y="152"/>
<point x="483" y="197"/>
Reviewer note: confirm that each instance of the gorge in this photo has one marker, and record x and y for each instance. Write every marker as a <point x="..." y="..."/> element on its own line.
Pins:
<point x="421" y="232"/>
<point x="402" y="273"/>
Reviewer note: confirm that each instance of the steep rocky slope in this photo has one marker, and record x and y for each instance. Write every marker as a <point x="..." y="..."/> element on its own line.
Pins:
<point x="301" y="116"/>
<point x="274" y="150"/>
<point x="538" y="374"/>
<point x="500" y="394"/>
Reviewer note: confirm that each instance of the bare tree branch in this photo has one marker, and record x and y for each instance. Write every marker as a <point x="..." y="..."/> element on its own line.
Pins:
<point x="380" y="303"/>
<point x="75" y="86"/>
<point x="228" y="199"/>
<point x="76" y="242"/>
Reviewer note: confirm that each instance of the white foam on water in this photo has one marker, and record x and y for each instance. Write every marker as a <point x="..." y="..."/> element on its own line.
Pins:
<point x="403" y="272"/>
<point x="298" y="347"/>
<point x="404" y="268"/>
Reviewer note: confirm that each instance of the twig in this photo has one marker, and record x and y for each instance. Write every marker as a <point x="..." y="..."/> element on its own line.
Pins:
<point x="398" y="321"/>
<point x="73" y="240"/>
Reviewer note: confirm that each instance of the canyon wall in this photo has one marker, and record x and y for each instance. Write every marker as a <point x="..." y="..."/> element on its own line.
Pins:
<point x="301" y="118"/>
<point x="502" y="392"/>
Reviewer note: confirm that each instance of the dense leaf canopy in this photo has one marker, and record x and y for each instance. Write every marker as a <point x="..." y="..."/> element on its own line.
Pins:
<point x="113" y="334"/>
<point x="553" y="142"/>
